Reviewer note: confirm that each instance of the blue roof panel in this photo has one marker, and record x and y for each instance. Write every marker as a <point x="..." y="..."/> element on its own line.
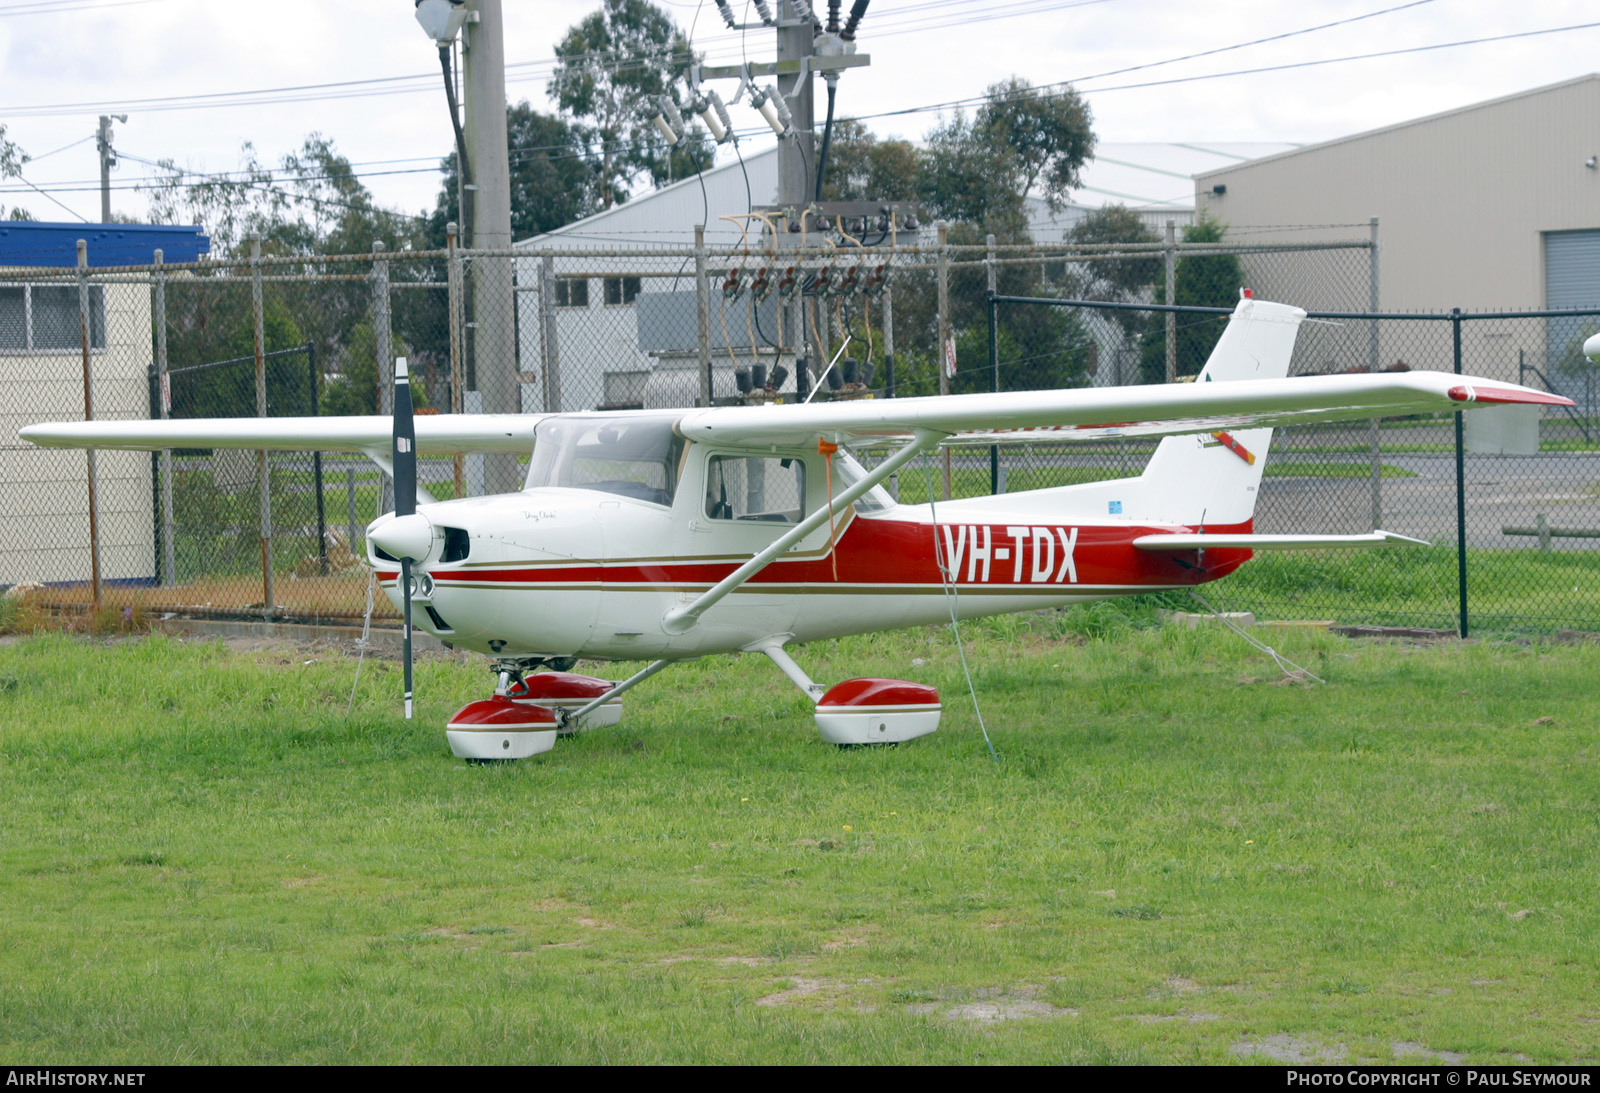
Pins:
<point x="42" y="243"/>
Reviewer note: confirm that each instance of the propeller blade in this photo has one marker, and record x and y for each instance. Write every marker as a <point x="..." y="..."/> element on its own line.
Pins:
<point x="405" y="583"/>
<point x="404" y="452"/>
<point x="404" y="455"/>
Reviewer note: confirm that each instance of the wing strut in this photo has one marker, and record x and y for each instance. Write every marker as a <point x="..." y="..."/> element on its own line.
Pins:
<point x="682" y="619"/>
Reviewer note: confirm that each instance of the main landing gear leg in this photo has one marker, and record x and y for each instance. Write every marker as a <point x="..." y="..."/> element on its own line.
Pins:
<point x="862" y="711"/>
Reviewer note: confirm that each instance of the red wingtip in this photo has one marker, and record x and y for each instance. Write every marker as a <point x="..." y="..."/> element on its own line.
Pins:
<point x="1464" y="393"/>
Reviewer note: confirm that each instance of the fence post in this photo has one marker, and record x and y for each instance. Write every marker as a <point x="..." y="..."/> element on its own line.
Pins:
<point x="944" y="331"/>
<point x="316" y="460"/>
<point x="263" y="471"/>
<point x="383" y="338"/>
<point x="702" y="314"/>
<point x="549" y="336"/>
<point x="169" y="549"/>
<point x="1171" y="256"/>
<point x="452" y="293"/>
<point x="350" y="505"/>
<point x="1461" y="484"/>
<point x="85" y="328"/>
<point x="888" y="342"/>
<point x="994" y="375"/>
<point x="1372" y="366"/>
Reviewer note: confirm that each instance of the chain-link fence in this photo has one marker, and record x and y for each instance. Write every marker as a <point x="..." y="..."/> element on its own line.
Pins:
<point x="278" y="535"/>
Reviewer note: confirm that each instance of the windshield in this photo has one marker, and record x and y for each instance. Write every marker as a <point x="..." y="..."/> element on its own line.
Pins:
<point x="630" y="457"/>
<point x="846" y="473"/>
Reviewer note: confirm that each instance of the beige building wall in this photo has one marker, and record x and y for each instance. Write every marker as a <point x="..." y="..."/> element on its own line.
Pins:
<point x="1464" y="200"/>
<point x="44" y="499"/>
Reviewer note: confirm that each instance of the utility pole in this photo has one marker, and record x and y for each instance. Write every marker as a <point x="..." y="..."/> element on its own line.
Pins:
<point x="492" y="328"/>
<point x="108" y="160"/>
<point x="796" y="153"/>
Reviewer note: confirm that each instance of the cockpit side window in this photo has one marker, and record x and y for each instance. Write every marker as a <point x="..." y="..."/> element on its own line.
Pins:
<point x="762" y="489"/>
<point x="637" y="458"/>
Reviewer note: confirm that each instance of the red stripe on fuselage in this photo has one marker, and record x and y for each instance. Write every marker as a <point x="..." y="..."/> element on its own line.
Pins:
<point x="876" y="551"/>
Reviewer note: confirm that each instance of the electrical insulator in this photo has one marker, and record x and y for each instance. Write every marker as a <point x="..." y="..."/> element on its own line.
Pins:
<point x="782" y="107"/>
<point x="763" y="101"/>
<point x="670" y="109"/>
<point x="758" y="375"/>
<point x="727" y="14"/>
<point x="654" y="115"/>
<point x="760" y="285"/>
<point x="833" y="16"/>
<point x="731" y="287"/>
<point x="764" y="10"/>
<point x="802" y="10"/>
<point x="711" y="111"/>
<point x="779" y="374"/>
<point x="857" y="10"/>
<point x="741" y="379"/>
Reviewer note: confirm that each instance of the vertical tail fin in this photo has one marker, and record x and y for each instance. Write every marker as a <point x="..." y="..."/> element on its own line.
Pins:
<point x="1214" y="477"/>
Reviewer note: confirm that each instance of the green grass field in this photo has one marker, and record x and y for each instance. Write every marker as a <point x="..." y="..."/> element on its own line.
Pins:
<point x="1178" y="858"/>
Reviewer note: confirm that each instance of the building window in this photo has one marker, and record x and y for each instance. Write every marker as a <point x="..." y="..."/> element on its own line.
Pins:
<point x="37" y="318"/>
<point x="621" y="290"/>
<point x="572" y="292"/>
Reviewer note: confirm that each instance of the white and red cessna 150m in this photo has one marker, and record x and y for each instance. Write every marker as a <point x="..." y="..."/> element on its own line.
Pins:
<point x="665" y="535"/>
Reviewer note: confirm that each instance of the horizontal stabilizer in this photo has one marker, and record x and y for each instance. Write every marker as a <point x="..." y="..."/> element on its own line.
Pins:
<point x="1202" y="540"/>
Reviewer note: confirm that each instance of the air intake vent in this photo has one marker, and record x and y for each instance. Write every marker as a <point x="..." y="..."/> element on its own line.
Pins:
<point x="457" y="545"/>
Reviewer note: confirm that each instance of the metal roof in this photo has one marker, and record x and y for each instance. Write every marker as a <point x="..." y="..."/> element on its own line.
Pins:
<point x="1150" y="176"/>
<point x="46" y="243"/>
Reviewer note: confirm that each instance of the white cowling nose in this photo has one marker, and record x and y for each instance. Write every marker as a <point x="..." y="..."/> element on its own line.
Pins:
<point x="408" y="538"/>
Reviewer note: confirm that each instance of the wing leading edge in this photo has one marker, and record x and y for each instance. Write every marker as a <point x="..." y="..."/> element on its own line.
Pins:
<point x="439" y="434"/>
<point x="1089" y="414"/>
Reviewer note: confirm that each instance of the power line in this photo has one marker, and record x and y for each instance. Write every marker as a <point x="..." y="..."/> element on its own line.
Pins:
<point x="724" y="45"/>
<point x="54" y="7"/>
<point x="265" y="187"/>
<point x="1069" y="84"/>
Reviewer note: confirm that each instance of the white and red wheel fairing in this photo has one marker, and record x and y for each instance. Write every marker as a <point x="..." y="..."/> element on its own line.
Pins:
<point x="498" y="728"/>
<point x="568" y="691"/>
<point x="877" y="711"/>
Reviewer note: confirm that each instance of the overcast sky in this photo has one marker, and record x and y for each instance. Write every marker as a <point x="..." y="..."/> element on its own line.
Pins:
<point x="81" y="58"/>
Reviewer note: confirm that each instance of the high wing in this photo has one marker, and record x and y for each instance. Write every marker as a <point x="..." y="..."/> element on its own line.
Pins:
<point x="441" y="434"/>
<point x="1258" y="341"/>
<point x="1091" y="414"/>
<point x="1253" y="351"/>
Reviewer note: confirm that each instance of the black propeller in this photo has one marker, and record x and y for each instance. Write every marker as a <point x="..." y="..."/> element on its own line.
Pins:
<point x="404" y="456"/>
